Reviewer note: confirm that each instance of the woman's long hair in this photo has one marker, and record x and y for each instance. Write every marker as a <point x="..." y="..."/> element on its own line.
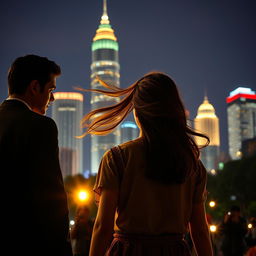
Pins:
<point x="172" y="154"/>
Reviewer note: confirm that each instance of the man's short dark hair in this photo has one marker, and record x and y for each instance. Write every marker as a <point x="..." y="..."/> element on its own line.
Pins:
<point x="28" y="68"/>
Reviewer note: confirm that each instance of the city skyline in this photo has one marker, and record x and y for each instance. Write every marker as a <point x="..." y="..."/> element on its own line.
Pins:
<point x="202" y="46"/>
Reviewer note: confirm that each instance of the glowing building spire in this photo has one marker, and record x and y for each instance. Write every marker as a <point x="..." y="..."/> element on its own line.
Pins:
<point x="105" y="37"/>
<point x="207" y="123"/>
<point x="104" y="17"/>
<point x="206" y="110"/>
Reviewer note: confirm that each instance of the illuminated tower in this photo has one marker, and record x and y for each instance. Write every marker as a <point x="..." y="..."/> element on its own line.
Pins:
<point x="207" y="122"/>
<point x="129" y="131"/>
<point x="241" y="119"/>
<point x="104" y="65"/>
<point x="67" y="111"/>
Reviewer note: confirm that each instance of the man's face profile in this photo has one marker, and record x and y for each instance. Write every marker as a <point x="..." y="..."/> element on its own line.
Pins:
<point x="43" y="98"/>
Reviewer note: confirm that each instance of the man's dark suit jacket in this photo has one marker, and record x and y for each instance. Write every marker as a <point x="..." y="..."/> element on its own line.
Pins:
<point x="33" y="200"/>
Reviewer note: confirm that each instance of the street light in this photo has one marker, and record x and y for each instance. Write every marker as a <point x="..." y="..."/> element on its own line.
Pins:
<point x="213" y="172"/>
<point x="213" y="228"/>
<point x="212" y="204"/>
<point x="83" y="195"/>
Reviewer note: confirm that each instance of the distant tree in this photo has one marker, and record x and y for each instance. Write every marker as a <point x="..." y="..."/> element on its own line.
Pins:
<point x="235" y="184"/>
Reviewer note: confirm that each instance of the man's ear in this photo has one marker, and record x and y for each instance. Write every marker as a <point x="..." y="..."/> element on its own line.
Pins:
<point x="34" y="87"/>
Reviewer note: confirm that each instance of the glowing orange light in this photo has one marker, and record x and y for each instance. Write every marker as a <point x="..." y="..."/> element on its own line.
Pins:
<point x="213" y="228"/>
<point x="68" y="96"/>
<point x="83" y="195"/>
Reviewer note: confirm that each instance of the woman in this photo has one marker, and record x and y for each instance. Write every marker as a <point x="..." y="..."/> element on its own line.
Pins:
<point x="158" y="192"/>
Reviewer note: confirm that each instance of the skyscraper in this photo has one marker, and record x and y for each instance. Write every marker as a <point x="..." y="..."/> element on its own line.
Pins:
<point x="105" y="65"/>
<point x="207" y="122"/>
<point x="241" y="119"/>
<point x="129" y="131"/>
<point x="67" y="111"/>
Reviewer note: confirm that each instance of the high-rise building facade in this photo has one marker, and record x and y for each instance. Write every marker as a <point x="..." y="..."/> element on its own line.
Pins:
<point x="67" y="112"/>
<point x="129" y="131"/>
<point x="241" y="113"/>
<point x="105" y="65"/>
<point x="207" y="122"/>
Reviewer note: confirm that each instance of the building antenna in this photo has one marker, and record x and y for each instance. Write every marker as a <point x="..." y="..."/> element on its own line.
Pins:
<point x="105" y="7"/>
<point x="205" y="95"/>
<point x="104" y="17"/>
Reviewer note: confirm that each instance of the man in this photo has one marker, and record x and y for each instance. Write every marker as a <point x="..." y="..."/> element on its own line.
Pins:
<point x="233" y="229"/>
<point x="34" y="203"/>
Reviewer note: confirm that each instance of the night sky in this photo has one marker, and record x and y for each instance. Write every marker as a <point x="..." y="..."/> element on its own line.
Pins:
<point x="203" y="45"/>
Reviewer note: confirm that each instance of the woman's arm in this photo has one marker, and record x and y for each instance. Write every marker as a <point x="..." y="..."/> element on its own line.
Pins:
<point x="104" y="224"/>
<point x="199" y="231"/>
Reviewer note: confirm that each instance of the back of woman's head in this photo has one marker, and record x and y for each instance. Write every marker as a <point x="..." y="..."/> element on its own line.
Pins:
<point x="158" y="104"/>
<point x="171" y="153"/>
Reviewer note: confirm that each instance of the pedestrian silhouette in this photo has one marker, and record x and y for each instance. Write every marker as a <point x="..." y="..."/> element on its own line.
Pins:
<point x="251" y="238"/>
<point x="233" y="230"/>
<point x="81" y="232"/>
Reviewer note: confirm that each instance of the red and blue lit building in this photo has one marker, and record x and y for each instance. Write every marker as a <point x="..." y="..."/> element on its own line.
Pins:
<point x="241" y="119"/>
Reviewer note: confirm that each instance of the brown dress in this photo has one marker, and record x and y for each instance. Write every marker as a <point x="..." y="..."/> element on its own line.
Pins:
<point x="151" y="218"/>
